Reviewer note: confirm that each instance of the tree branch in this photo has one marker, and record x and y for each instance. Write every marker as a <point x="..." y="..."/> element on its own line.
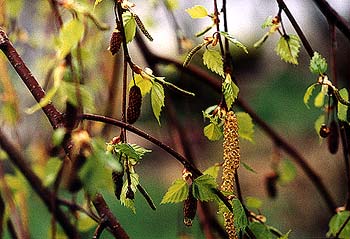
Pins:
<point x="108" y="218"/>
<point x="45" y="195"/>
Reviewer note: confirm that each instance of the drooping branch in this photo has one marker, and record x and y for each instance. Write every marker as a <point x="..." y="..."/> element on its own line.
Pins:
<point x="200" y="74"/>
<point x="45" y="195"/>
<point x="108" y="218"/>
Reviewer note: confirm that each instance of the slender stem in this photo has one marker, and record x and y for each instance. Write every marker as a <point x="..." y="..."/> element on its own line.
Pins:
<point x="294" y="23"/>
<point x="108" y="218"/>
<point x="217" y="22"/>
<point x="333" y="43"/>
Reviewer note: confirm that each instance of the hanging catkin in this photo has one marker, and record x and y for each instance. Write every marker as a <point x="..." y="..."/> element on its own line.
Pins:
<point x="231" y="164"/>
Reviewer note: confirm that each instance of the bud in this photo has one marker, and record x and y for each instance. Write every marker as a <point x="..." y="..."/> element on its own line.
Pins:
<point x="190" y="208"/>
<point x="118" y="183"/>
<point x="134" y="107"/>
<point x="115" y="41"/>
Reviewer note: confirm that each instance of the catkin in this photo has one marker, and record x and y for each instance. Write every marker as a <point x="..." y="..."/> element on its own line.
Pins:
<point x="134" y="107"/>
<point x="231" y="164"/>
<point x="115" y="41"/>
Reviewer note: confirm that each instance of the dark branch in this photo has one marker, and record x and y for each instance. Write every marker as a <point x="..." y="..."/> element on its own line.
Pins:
<point x="108" y="218"/>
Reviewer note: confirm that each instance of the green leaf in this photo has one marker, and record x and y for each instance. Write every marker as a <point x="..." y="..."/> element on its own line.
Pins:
<point x="51" y="170"/>
<point x="85" y="223"/>
<point x="241" y="221"/>
<point x="197" y="11"/>
<point x="128" y="150"/>
<point x="69" y="36"/>
<point x="343" y="109"/>
<point x="129" y="203"/>
<point x="287" y="171"/>
<point x="320" y="120"/>
<point x="261" y="230"/>
<point x="267" y="22"/>
<point x="288" y="48"/>
<point x="213" y="60"/>
<point x="203" y="188"/>
<point x="248" y="167"/>
<point x="245" y="126"/>
<point x="230" y="91"/>
<point x="129" y="26"/>
<point x="213" y="131"/>
<point x="14" y="8"/>
<point x="177" y="192"/>
<point x="308" y="94"/>
<point x="57" y="136"/>
<point x="253" y="202"/>
<point x="261" y="40"/>
<point x="213" y="170"/>
<point x="319" y="99"/>
<point x="145" y="84"/>
<point x="235" y="41"/>
<point x="157" y="99"/>
<point x="171" y="4"/>
<point x="337" y="222"/>
<point x="318" y="64"/>
<point x="285" y="236"/>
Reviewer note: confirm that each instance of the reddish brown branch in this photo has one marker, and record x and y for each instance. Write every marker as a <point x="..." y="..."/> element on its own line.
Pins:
<point x="54" y="116"/>
<point x="108" y="218"/>
<point x="334" y="17"/>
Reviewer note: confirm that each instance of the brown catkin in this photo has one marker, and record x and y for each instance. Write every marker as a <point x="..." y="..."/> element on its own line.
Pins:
<point x="134" y="107"/>
<point x="231" y="164"/>
<point x="118" y="183"/>
<point x="190" y="208"/>
<point x="115" y="41"/>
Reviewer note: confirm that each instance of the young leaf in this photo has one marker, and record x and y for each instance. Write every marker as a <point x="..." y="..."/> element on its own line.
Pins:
<point x="253" y="202"/>
<point x="267" y="22"/>
<point x="337" y="222"/>
<point x="343" y="109"/>
<point x="286" y="236"/>
<point x="97" y="2"/>
<point x="157" y="99"/>
<point x="245" y="126"/>
<point x="248" y="167"/>
<point x="319" y="100"/>
<point x="318" y="123"/>
<point x="203" y="188"/>
<point x="261" y="230"/>
<point x="129" y="26"/>
<point x="177" y="192"/>
<point x="288" y="48"/>
<point x="308" y="94"/>
<point x="241" y="221"/>
<point x="213" y="60"/>
<point x="213" y="170"/>
<point x="144" y="84"/>
<point x="230" y="91"/>
<point x="171" y="4"/>
<point x="261" y="40"/>
<point x="197" y="11"/>
<point x="129" y="203"/>
<point x="235" y="41"/>
<point x="213" y="131"/>
<point x="128" y="150"/>
<point x="287" y="171"/>
<point x="69" y="36"/>
<point x="318" y="64"/>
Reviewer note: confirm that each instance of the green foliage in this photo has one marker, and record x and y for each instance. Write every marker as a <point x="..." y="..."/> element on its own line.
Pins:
<point x="94" y="171"/>
<point x="253" y="202"/>
<point x="235" y="41"/>
<point x="318" y="64"/>
<point x="230" y="91"/>
<point x="241" y="221"/>
<point x="171" y="4"/>
<point x="213" y="131"/>
<point x="57" y="136"/>
<point x="129" y="203"/>
<point x="14" y="8"/>
<point x="288" y="48"/>
<point x="249" y="168"/>
<point x="97" y="2"/>
<point x="245" y="126"/>
<point x="336" y="222"/>
<point x="69" y="36"/>
<point x="319" y="99"/>
<point x="287" y="171"/>
<point x="213" y="170"/>
<point x="129" y="26"/>
<point x="260" y="230"/>
<point x="177" y="192"/>
<point x="51" y="169"/>
<point x="197" y="11"/>
<point x="203" y="188"/>
<point x="157" y="99"/>
<point x="213" y="60"/>
<point x="308" y="94"/>
<point x="267" y="22"/>
<point x="317" y="125"/>
<point x="144" y="84"/>
<point x="261" y="40"/>
<point x="343" y="109"/>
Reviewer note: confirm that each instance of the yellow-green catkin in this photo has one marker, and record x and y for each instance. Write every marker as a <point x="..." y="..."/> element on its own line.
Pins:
<point x="231" y="164"/>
